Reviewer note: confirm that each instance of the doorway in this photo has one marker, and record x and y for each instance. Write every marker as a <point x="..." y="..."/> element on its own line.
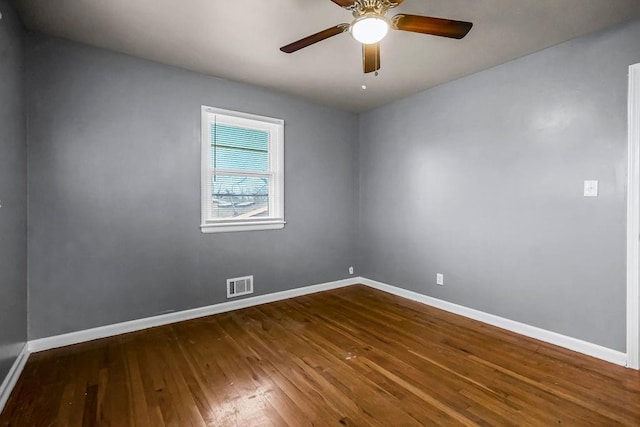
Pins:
<point x="633" y="221"/>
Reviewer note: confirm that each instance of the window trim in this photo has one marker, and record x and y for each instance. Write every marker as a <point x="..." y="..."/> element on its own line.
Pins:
<point x="276" y="169"/>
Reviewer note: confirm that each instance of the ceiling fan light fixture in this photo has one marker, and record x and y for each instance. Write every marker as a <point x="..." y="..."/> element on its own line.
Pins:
<point x="369" y="28"/>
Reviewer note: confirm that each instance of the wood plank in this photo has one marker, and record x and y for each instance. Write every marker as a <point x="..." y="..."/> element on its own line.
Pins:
<point x="350" y="356"/>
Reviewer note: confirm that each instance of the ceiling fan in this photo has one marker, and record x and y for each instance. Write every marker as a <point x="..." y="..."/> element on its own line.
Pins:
<point x="370" y="25"/>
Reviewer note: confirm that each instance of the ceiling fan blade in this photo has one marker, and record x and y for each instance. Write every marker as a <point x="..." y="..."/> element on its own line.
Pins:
<point x="344" y="3"/>
<point x="428" y="25"/>
<point x="315" y="38"/>
<point x="371" y="57"/>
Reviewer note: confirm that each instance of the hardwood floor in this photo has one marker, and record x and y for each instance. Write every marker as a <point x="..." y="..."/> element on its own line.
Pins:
<point x="352" y="356"/>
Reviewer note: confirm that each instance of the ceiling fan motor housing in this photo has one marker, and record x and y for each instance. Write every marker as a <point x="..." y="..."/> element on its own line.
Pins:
<point x="377" y="7"/>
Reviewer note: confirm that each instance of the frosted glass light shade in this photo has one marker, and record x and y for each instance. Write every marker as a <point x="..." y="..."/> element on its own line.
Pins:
<point x="369" y="29"/>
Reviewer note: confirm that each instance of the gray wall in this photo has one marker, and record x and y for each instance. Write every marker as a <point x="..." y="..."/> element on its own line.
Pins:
<point x="114" y="191"/>
<point x="13" y="191"/>
<point x="481" y="179"/>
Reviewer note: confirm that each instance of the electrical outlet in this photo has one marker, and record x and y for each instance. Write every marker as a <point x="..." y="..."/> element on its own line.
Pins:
<point x="440" y="279"/>
<point x="350" y="270"/>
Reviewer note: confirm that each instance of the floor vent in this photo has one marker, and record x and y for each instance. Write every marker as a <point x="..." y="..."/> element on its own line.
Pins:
<point x="239" y="286"/>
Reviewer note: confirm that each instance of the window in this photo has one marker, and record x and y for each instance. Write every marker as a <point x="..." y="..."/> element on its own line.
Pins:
<point x="242" y="171"/>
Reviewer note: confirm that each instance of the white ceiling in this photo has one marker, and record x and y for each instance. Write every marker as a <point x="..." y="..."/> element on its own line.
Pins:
<point x="240" y="39"/>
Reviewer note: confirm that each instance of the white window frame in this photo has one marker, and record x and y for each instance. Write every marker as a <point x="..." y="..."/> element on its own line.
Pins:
<point x="275" y="127"/>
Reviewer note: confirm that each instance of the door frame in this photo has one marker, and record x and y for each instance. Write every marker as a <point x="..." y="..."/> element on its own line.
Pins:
<point x="633" y="221"/>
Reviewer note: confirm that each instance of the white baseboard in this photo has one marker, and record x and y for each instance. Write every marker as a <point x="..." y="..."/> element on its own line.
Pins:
<point x="12" y="377"/>
<point x="570" y="343"/>
<point x="165" y="319"/>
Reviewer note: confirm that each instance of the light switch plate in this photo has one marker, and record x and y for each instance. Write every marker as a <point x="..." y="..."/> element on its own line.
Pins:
<point x="591" y="188"/>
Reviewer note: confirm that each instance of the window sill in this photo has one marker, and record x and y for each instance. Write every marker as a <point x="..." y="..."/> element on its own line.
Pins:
<point x="248" y="226"/>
